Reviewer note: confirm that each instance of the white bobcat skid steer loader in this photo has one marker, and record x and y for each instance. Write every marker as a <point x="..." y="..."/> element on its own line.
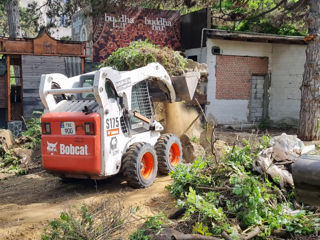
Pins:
<point x="98" y="123"/>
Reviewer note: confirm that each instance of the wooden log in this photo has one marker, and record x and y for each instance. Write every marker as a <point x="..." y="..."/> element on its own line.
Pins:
<point x="177" y="214"/>
<point x="226" y="236"/>
<point x="169" y="233"/>
<point x="251" y="234"/>
<point x="182" y="236"/>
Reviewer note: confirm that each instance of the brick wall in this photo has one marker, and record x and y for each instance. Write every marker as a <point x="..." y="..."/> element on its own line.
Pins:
<point x="233" y="74"/>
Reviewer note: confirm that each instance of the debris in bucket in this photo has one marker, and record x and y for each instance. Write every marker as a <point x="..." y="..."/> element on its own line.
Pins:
<point x="140" y="53"/>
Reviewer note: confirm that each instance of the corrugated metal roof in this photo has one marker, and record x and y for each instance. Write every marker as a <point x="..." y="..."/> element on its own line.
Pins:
<point x="254" y="37"/>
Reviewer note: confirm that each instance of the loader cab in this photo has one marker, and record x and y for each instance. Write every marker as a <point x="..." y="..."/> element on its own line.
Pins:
<point x="111" y="92"/>
<point x="86" y="81"/>
<point x="141" y="104"/>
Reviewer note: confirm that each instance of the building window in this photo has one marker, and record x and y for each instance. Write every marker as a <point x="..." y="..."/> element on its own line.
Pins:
<point x="63" y="21"/>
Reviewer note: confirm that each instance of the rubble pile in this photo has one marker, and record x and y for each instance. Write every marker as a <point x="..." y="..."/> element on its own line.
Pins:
<point x="277" y="160"/>
<point x="225" y="198"/>
<point x="16" y="155"/>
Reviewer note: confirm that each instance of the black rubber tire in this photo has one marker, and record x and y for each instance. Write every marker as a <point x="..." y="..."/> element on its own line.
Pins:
<point x="162" y="147"/>
<point x="132" y="163"/>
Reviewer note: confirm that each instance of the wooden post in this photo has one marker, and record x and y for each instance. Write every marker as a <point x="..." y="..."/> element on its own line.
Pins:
<point x="21" y="83"/>
<point x="82" y="65"/>
<point x="8" y="89"/>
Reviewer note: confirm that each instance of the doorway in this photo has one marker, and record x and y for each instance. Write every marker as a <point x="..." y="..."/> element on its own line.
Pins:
<point x="16" y="88"/>
<point x="257" y="98"/>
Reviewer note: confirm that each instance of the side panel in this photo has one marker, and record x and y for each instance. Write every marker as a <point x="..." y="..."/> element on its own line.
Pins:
<point x="114" y="138"/>
<point x="79" y="153"/>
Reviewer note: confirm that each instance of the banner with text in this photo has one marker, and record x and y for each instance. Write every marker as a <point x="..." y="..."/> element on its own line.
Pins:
<point x="112" y="31"/>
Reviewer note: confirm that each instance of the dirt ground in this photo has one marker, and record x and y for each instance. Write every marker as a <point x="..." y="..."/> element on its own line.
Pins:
<point x="28" y="202"/>
<point x="232" y="136"/>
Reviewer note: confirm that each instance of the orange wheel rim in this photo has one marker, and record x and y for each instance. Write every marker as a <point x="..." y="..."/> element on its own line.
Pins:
<point x="147" y="165"/>
<point x="174" y="154"/>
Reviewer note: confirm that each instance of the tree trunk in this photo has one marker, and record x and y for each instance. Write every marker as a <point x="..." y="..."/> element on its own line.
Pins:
<point x="12" y="8"/>
<point x="309" y="125"/>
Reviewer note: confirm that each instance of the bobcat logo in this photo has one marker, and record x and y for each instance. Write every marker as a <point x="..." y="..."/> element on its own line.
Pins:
<point x="52" y="147"/>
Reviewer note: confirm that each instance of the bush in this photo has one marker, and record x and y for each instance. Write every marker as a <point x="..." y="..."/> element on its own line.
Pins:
<point x="100" y="221"/>
<point x="33" y="131"/>
<point x="153" y="224"/>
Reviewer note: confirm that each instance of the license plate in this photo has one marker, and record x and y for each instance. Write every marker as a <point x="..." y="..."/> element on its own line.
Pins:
<point x="68" y="128"/>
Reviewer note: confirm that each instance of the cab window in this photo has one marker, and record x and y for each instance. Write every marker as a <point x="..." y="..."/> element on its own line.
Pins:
<point x="87" y="83"/>
<point x="111" y="92"/>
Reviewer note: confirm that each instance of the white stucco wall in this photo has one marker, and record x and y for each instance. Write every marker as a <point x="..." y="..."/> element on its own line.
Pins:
<point x="286" y="66"/>
<point x="201" y="54"/>
<point x="287" y="72"/>
<point x="230" y="111"/>
<point x="60" y="32"/>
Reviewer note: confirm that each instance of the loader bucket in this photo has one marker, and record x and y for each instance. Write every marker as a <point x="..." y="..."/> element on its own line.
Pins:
<point x="306" y="177"/>
<point x="185" y="86"/>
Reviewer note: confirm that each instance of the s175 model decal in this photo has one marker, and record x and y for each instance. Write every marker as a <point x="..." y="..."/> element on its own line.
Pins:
<point x="112" y="123"/>
<point x="113" y="132"/>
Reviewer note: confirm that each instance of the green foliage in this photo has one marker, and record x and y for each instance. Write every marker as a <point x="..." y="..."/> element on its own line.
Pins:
<point x="139" y="235"/>
<point x="186" y="176"/>
<point x="28" y="22"/>
<point x="264" y="142"/>
<point x="100" y="221"/>
<point x="33" y="131"/>
<point x="140" y="53"/>
<point x="267" y="26"/>
<point x="153" y="223"/>
<point x="10" y="164"/>
<point x="3" y="21"/>
<point x="9" y="159"/>
<point x="216" y="193"/>
<point x="30" y="139"/>
<point x="201" y="229"/>
<point x="206" y="207"/>
<point x="66" y="38"/>
<point x="69" y="227"/>
<point x="230" y="14"/>
<point x="264" y="16"/>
